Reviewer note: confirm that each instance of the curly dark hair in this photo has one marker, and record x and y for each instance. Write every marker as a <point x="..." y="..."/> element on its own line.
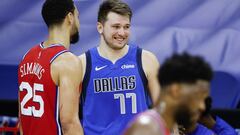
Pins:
<point x="184" y="68"/>
<point x="54" y="11"/>
<point x="116" y="6"/>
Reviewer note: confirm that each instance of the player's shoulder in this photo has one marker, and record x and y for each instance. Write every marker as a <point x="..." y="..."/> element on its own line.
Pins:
<point x="144" y="119"/>
<point x="66" y="65"/>
<point x="69" y="57"/>
<point x="67" y="60"/>
<point x="82" y="56"/>
<point x="148" y="54"/>
<point x="149" y="58"/>
<point x="147" y="116"/>
<point x="144" y="122"/>
<point x="145" y="53"/>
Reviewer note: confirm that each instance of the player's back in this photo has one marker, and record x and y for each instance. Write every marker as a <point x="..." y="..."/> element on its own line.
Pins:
<point x="38" y="94"/>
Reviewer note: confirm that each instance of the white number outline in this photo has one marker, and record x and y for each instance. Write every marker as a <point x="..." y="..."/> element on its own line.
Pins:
<point x="122" y="98"/>
<point x="31" y="93"/>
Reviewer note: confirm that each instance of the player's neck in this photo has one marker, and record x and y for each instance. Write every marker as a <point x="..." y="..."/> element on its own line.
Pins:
<point x="58" y="36"/>
<point x="166" y="113"/>
<point x="112" y="54"/>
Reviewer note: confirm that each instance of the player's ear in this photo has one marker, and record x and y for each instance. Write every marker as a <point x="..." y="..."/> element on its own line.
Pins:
<point x="70" y="18"/>
<point x="99" y="27"/>
<point x="175" y="90"/>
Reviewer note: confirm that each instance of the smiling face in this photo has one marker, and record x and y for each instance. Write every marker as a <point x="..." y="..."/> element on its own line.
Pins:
<point x="115" y="31"/>
<point x="191" y="103"/>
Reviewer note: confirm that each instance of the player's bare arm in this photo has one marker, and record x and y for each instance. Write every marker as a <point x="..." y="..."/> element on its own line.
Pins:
<point x="20" y="124"/>
<point x="82" y="58"/>
<point x="67" y="74"/>
<point x="150" y="66"/>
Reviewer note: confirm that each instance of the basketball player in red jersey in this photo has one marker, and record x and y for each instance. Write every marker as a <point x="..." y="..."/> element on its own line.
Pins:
<point x="49" y="76"/>
<point x="185" y="85"/>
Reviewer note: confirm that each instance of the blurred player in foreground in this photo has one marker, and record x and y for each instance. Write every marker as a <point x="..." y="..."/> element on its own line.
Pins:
<point x="185" y="85"/>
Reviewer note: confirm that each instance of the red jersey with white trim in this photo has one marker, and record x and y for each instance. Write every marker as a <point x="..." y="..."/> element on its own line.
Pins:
<point x="38" y="94"/>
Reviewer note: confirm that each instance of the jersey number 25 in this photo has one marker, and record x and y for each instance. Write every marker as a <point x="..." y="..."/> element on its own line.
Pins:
<point x="31" y="93"/>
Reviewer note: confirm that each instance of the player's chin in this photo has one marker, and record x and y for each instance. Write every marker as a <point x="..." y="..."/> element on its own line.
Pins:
<point x="195" y="117"/>
<point x="119" y="45"/>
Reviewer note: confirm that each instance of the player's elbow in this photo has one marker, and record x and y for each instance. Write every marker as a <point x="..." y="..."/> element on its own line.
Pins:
<point x="68" y="125"/>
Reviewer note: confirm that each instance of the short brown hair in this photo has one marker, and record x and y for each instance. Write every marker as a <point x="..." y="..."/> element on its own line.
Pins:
<point x="116" y="6"/>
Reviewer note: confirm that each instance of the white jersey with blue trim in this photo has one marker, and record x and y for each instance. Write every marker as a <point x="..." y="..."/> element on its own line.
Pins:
<point x="113" y="93"/>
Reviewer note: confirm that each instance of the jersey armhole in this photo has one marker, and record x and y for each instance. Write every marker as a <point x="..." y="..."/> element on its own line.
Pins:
<point x="143" y="77"/>
<point x="51" y="59"/>
<point x="86" y="77"/>
<point x="85" y="82"/>
<point x="58" y="54"/>
<point x="140" y="67"/>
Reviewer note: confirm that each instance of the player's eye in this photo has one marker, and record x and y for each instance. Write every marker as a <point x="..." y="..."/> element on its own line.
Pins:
<point x="126" y="27"/>
<point x="116" y="26"/>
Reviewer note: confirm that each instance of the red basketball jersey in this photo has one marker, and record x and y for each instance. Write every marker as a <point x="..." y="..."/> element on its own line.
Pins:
<point x="38" y="94"/>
